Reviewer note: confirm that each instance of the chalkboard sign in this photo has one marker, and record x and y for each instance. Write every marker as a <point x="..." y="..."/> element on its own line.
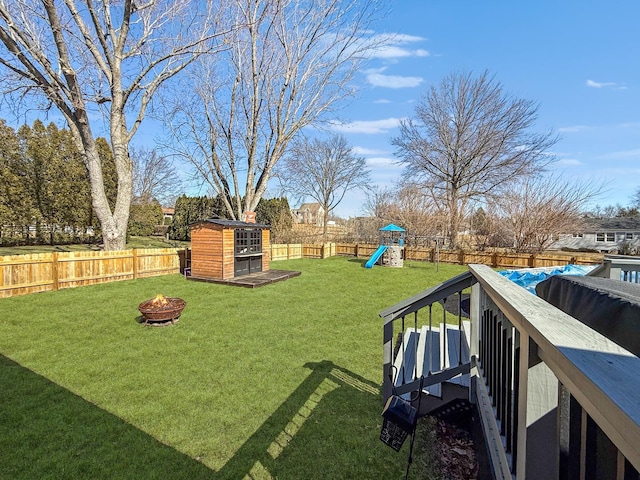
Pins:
<point x="392" y="434"/>
<point x="399" y="420"/>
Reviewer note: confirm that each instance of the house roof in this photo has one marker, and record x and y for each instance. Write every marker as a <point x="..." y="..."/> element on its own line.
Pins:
<point x="233" y="223"/>
<point x="615" y="223"/>
<point x="312" y="207"/>
<point x="168" y="210"/>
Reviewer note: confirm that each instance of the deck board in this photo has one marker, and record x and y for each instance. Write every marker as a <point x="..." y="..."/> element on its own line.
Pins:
<point x="252" y="280"/>
<point x="423" y="352"/>
<point x="453" y="357"/>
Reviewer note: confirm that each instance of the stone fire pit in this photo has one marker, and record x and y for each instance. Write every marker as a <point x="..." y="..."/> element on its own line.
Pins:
<point x="161" y="310"/>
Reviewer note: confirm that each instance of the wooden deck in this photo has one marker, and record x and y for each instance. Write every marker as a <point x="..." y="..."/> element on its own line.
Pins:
<point x="252" y="280"/>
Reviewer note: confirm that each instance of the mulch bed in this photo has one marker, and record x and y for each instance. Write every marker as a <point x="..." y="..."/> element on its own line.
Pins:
<point x="455" y="451"/>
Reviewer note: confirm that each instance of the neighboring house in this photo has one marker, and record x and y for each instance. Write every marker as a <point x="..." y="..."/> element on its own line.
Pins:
<point x="309" y="213"/>
<point x="607" y="235"/>
<point x="167" y="213"/>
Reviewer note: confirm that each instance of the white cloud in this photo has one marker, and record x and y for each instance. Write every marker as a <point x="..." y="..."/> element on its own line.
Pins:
<point x="382" y="162"/>
<point x="573" y="129"/>
<point x="376" y="78"/>
<point x="624" y="154"/>
<point x="382" y="100"/>
<point x="367" y="126"/>
<point x="569" y="162"/>
<point x="366" y="151"/>
<point x="393" y="45"/>
<point x="614" y="85"/>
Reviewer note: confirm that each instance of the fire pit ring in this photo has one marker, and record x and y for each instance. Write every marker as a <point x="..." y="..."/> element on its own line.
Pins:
<point x="161" y="310"/>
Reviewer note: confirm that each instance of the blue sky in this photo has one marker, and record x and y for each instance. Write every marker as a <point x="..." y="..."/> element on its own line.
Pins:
<point x="579" y="60"/>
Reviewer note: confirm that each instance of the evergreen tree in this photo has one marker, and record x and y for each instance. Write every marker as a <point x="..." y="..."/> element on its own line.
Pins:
<point x="16" y="206"/>
<point x="190" y="210"/>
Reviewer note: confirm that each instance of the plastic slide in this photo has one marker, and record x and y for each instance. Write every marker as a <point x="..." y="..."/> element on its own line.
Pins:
<point x="376" y="255"/>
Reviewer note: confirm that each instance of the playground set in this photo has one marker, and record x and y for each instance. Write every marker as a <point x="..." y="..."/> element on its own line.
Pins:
<point x="390" y="251"/>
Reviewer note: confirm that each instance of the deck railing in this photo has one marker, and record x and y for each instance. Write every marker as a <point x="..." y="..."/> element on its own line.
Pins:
<point x="556" y="398"/>
<point x="620" y="267"/>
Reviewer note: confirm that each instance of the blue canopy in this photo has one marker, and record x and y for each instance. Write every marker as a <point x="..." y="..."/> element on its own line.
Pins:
<point x="392" y="228"/>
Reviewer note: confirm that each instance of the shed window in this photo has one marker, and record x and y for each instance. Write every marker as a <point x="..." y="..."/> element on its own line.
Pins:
<point x="248" y="241"/>
<point x="599" y="237"/>
<point x="611" y="237"/>
<point x="629" y="236"/>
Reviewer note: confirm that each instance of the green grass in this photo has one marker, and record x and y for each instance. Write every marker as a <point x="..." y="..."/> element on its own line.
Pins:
<point x="282" y="381"/>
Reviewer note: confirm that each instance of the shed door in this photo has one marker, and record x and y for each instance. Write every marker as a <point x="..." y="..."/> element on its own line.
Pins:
<point x="241" y="266"/>
<point x="248" y="251"/>
<point x="255" y="264"/>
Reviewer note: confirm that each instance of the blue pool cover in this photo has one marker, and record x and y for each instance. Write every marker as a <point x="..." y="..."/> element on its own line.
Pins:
<point x="529" y="277"/>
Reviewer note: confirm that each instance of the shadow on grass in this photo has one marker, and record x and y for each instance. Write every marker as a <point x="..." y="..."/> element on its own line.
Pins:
<point x="327" y="428"/>
<point x="49" y="432"/>
<point x="359" y="260"/>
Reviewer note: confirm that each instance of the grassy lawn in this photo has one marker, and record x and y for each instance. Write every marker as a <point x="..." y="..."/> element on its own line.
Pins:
<point x="282" y="381"/>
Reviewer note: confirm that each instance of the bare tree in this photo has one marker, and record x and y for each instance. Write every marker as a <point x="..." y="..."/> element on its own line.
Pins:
<point x="154" y="176"/>
<point x="289" y="67"/>
<point x="379" y="202"/>
<point x="468" y="138"/>
<point x="408" y="206"/>
<point x="540" y="208"/>
<point x="635" y="199"/>
<point x="323" y="170"/>
<point x="84" y="57"/>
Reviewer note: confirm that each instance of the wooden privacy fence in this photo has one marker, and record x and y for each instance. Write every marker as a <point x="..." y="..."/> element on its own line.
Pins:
<point x="281" y="251"/>
<point x="23" y="274"/>
<point x="493" y="259"/>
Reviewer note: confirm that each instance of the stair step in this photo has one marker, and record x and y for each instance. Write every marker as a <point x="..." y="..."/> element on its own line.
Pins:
<point x="450" y="355"/>
<point x="405" y="362"/>
<point x="426" y="351"/>
<point x="429" y="357"/>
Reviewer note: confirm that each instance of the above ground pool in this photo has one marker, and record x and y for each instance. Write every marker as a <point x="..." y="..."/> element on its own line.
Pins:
<point x="529" y="277"/>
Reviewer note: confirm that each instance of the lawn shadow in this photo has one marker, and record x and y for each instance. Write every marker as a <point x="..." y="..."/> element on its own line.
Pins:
<point x="359" y="260"/>
<point x="49" y="432"/>
<point x="327" y="428"/>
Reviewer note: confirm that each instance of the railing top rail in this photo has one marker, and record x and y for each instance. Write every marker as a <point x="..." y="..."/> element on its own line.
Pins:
<point x="601" y="375"/>
<point x="622" y="259"/>
<point x="427" y="297"/>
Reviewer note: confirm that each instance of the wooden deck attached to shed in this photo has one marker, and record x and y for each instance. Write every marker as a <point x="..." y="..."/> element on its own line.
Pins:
<point x="252" y="280"/>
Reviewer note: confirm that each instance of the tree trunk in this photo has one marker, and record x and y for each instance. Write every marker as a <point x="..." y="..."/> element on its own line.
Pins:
<point x="325" y="222"/>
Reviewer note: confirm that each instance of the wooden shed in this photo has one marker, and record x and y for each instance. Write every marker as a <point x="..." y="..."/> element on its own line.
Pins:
<point x="224" y="249"/>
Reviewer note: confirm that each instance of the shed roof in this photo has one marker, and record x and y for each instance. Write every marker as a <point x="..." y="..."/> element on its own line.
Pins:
<point x="392" y="228"/>
<point x="233" y="223"/>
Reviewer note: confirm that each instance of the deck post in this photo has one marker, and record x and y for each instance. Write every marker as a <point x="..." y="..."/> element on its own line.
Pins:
<point x="387" y="359"/>
<point x="521" y="393"/>
<point x="542" y="445"/>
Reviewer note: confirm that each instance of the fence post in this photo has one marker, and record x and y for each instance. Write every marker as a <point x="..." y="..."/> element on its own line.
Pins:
<point x="135" y="263"/>
<point x="55" y="272"/>
<point x="494" y="260"/>
<point x="532" y="260"/>
<point x="356" y="250"/>
<point x="461" y="257"/>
